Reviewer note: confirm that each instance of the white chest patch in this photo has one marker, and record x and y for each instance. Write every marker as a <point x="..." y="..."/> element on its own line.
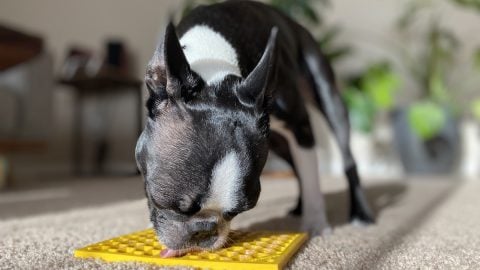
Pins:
<point x="209" y="54"/>
<point x="224" y="184"/>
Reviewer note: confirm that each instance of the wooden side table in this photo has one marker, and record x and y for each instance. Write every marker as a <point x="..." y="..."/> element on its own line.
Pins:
<point x="99" y="85"/>
<point x="17" y="47"/>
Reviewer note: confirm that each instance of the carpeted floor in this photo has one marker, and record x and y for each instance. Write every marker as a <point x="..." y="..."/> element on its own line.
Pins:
<point x="421" y="225"/>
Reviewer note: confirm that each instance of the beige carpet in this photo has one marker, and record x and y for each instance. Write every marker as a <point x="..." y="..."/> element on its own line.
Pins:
<point x="421" y="225"/>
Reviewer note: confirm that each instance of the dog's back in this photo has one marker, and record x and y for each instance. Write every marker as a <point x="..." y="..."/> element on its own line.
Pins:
<point x="246" y="25"/>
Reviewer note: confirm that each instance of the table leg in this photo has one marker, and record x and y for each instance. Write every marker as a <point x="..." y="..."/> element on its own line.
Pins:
<point x="4" y="172"/>
<point x="77" y="134"/>
<point x="140" y="110"/>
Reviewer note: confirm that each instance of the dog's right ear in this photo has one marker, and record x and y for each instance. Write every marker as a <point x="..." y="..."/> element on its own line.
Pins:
<point x="252" y="90"/>
<point x="168" y="72"/>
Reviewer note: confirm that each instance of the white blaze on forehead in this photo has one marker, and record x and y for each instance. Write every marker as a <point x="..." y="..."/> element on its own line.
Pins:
<point x="224" y="185"/>
<point x="209" y="54"/>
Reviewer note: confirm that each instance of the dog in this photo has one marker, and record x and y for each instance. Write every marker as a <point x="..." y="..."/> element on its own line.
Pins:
<point x="230" y="82"/>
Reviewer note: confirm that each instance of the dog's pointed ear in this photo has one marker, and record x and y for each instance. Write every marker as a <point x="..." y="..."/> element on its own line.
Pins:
<point x="168" y="72"/>
<point x="177" y="68"/>
<point x="156" y="75"/>
<point x="252" y="90"/>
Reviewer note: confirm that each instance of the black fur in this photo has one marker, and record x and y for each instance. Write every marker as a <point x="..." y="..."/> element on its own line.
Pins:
<point x="192" y="125"/>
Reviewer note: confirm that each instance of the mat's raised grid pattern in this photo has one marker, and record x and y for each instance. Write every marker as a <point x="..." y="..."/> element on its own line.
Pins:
<point x="249" y="250"/>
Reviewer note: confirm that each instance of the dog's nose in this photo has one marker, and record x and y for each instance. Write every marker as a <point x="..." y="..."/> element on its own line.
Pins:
<point x="203" y="230"/>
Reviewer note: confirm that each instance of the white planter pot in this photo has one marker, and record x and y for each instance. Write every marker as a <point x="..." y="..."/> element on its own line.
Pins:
<point x="470" y="160"/>
<point x="375" y="155"/>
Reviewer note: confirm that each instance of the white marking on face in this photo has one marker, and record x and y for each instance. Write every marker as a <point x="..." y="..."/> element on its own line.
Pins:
<point x="209" y="54"/>
<point x="224" y="185"/>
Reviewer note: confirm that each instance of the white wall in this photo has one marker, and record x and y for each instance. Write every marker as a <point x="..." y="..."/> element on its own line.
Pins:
<point x="89" y="23"/>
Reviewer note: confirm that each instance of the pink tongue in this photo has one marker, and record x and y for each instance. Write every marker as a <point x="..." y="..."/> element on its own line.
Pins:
<point x="168" y="253"/>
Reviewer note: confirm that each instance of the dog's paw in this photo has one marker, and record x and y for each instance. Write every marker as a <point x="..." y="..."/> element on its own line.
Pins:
<point x="364" y="217"/>
<point x="359" y="223"/>
<point x="316" y="227"/>
<point x="316" y="230"/>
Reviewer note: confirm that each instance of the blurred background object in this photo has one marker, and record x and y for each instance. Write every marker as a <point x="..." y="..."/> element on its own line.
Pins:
<point x="79" y="40"/>
<point x="26" y="82"/>
<point x="427" y="129"/>
<point x="25" y="96"/>
<point x="103" y="81"/>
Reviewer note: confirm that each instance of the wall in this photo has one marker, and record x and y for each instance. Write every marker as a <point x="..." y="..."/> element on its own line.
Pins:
<point x="89" y="23"/>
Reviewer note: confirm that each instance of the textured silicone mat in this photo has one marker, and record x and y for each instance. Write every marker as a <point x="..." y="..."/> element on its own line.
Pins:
<point x="248" y="250"/>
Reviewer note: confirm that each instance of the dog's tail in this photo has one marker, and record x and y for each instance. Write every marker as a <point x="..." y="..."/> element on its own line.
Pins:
<point x="322" y="81"/>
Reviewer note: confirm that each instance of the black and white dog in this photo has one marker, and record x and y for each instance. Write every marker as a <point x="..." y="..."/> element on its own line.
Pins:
<point x="235" y="84"/>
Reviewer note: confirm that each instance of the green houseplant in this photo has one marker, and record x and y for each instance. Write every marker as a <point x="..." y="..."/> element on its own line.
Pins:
<point x="427" y="130"/>
<point x="474" y="106"/>
<point x="369" y="93"/>
<point x="370" y="99"/>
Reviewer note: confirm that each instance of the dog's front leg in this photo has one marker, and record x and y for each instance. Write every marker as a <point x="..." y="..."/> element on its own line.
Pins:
<point x="314" y="219"/>
<point x="305" y="159"/>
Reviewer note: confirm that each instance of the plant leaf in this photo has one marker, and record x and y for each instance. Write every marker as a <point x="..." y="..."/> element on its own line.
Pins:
<point x="410" y="14"/>
<point x="426" y="119"/>
<point x="187" y="7"/>
<point x="438" y="88"/>
<point x="337" y="53"/>
<point x="469" y="3"/>
<point x="476" y="59"/>
<point x="407" y="18"/>
<point x="476" y="108"/>
<point x="328" y="36"/>
<point x="381" y="83"/>
<point x="360" y="109"/>
<point x="310" y="13"/>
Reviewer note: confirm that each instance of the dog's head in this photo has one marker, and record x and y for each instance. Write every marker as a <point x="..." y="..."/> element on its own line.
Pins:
<point x="203" y="147"/>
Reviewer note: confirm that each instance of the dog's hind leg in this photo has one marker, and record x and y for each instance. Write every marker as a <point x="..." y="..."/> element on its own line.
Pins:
<point x="280" y="146"/>
<point x="322" y="79"/>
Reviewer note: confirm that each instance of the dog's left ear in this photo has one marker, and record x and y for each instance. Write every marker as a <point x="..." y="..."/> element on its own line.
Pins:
<point x="251" y="91"/>
<point x="169" y="72"/>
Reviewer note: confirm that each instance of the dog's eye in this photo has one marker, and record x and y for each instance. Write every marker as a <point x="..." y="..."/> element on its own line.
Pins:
<point x="188" y="210"/>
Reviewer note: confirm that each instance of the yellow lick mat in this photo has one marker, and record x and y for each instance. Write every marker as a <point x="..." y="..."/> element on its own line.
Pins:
<point x="247" y="250"/>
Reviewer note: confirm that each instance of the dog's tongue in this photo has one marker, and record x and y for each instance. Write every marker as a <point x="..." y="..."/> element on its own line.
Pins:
<point x="168" y="253"/>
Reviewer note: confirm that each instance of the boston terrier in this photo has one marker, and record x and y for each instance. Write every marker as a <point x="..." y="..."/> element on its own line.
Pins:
<point x="230" y="82"/>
